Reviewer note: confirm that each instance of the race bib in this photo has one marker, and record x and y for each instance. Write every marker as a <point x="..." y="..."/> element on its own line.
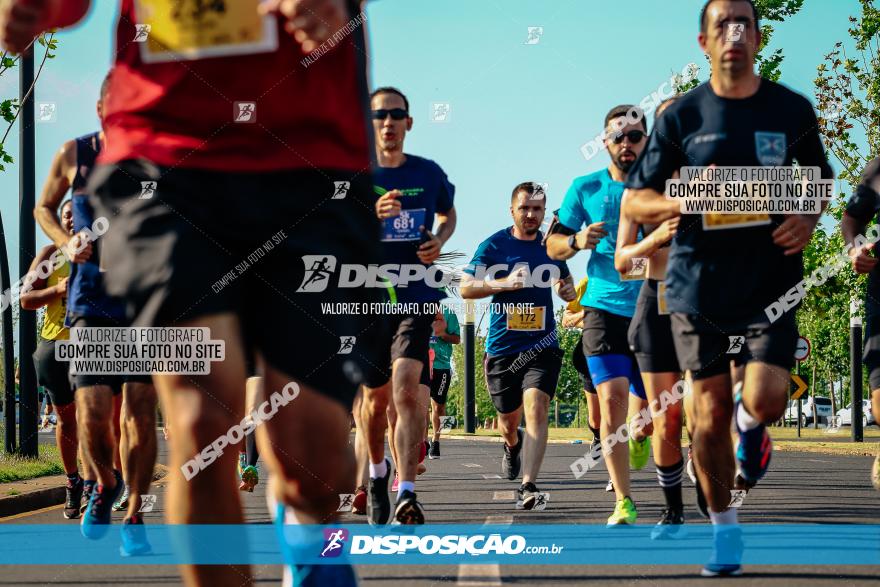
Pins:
<point x="175" y="30"/>
<point x="404" y="227"/>
<point x="725" y="221"/>
<point x="662" y="308"/>
<point x="527" y="319"/>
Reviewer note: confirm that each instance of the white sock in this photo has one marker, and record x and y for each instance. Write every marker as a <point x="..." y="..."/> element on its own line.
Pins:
<point x="378" y="470"/>
<point x="725" y="518"/>
<point x="744" y="420"/>
<point x="405" y="486"/>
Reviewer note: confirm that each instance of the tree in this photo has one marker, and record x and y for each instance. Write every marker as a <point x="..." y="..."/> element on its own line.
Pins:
<point x="773" y="11"/>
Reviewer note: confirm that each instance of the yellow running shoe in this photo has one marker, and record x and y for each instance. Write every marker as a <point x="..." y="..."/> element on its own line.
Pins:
<point x="624" y="513"/>
<point x="639" y="451"/>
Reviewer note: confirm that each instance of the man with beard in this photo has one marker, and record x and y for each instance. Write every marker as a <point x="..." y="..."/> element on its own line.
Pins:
<point x="609" y="303"/>
<point x="523" y="359"/>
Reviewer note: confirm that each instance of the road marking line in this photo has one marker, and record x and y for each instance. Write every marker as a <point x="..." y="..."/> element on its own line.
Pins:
<point x="482" y="575"/>
<point x="502" y="495"/>
<point x="487" y="476"/>
<point x="32" y="513"/>
<point x="473" y="465"/>
<point x="501" y="520"/>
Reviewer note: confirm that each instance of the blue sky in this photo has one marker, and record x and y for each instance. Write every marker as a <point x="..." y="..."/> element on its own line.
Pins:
<point x="518" y="111"/>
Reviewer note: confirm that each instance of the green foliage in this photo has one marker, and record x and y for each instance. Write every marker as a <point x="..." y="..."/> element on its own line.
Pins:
<point x="773" y="11"/>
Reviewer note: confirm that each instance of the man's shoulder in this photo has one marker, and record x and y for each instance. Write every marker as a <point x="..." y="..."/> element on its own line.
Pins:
<point x="587" y="185"/>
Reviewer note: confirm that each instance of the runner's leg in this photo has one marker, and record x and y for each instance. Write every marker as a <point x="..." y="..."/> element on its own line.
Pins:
<point x="712" y="445"/>
<point x="95" y="409"/>
<point x="613" y="404"/>
<point x="141" y="446"/>
<point x="411" y="405"/>
<point x="536" y="404"/>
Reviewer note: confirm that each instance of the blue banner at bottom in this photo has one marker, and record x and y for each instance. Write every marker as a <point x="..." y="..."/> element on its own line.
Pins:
<point x="532" y="544"/>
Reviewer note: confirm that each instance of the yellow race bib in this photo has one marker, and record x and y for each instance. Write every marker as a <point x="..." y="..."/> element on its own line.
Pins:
<point x="175" y="30"/>
<point x="526" y="319"/>
<point x="724" y="221"/>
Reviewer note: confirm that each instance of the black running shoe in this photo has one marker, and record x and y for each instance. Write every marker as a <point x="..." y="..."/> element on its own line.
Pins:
<point x="409" y="511"/>
<point x="511" y="461"/>
<point x="73" y="502"/>
<point x="378" y="502"/>
<point x="670" y="524"/>
<point x="702" y="505"/>
<point x="528" y="493"/>
<point x="434" y="453"/>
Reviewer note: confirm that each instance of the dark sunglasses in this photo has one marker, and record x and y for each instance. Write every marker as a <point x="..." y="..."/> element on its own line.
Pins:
<point x="634" y="136"/>
<point x="396" y="114"/>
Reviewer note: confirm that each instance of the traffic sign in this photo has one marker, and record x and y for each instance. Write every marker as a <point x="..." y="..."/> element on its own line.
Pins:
<point x="802" y="350"/>
<point x="797" y="386"/>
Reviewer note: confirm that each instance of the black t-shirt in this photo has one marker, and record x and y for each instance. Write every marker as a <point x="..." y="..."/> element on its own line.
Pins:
<point x="864" y="205"/>
<point x="730" y="270"/>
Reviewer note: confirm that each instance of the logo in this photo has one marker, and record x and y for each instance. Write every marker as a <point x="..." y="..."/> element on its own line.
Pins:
<point x="736" y="344"/>
<point x="440" y="112"/>
<point x="333" y="542"/>
<point x="639" y="266"/>
<point x="148" y="502"/>
<point x="832" y="109"/>
<point x="48" y="112"/>
<point x="346" y="500"/>
<point x="735" y="32"/>
<point x="148" y="190"/>
<point x="346" y="345"/>
<point x="541" y="190"/>
<point x="447" y="423"/>
<point x="771" y="148"/>
<point x="142" y="32"/>
<point x="535" y="33"/>
<point x="245" y="112"/>
<point x="340" y="189"/>
<point x="319" y="268"/>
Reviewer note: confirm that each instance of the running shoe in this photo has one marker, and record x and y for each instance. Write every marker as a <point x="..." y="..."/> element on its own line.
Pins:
<point x="434" y="453"/>
<point x="96" y="521"/>
<point x="702" y="504"/>
<point x="74" y="493"/>
<point x="624" y="513"/>
<point x="595" y="445"/>
<point x="242" y="464"/>
<point x="121" y="503"/>
<point x="409" y="511"/>
<point x="511" y="461"/>
<point x="134" y="537"/>
<point x="639" y="451"/>
<point x="378" y="502"/>
<point x="250" y="476"/>
<point x="359" y="504"/>
<point x="691" y="471"/>
<point x="670" y="524"/>
<point x="610" y="487"/>
<point x="396" y="482"/>
<point x="88" y="487"/>
<point x="528" y="495"/>
<point x="875" y="473"/>
<point x="726" y="554"/>
<point x="753" y="450"/>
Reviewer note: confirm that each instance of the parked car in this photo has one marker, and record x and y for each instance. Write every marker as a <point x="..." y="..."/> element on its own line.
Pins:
<point x="823" y="410"/>
<point x="845" y="414"/>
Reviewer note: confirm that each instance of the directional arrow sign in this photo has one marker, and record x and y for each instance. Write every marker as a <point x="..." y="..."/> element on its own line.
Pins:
<point x="797" y="386"/>
<point x="802" y="351"/>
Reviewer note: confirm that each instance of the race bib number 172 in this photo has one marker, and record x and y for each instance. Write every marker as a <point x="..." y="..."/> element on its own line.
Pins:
<point x="175" y="30"/>
<point x="526" y="319"/>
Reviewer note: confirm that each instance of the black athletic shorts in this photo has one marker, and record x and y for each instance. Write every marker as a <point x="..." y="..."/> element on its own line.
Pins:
<point x="404" y="336"/>
<point x="605" y="333"/>
<point x="706" y="346"/>
<point x="508" y="376"/>
<point x="579" y="362"/>
<point x="650" y="334"/>
<point x="440" y="381"/>
<point x="115" y="382"/>
<point x="51" y="374"/>
<point x="264" y="247"/>
<point x="871" y="355"/>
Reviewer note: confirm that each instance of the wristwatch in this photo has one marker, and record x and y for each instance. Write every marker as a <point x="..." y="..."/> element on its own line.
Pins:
<point x="572" y="243"/>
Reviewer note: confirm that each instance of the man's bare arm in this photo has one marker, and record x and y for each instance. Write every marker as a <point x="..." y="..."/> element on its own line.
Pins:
<point x="647" y="206"/>
<point x="38" y="295"/>
<point x="56" y="186"/>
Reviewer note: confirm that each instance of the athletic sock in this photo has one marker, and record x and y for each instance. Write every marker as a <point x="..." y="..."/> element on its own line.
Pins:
<point x="744" y="420"/>
<point x="725" y="518"/>
<point x="378" y="470"/>
<point x="405" y="486"/>
<point x="670" y="481"/>
<point x="595" y="432"/>
<point x="73" y="477"/>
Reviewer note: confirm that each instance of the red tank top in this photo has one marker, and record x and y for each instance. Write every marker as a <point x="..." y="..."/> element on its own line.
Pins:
<point x="233" y="94"/>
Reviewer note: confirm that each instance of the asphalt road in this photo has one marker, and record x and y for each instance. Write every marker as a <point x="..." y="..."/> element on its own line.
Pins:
<point x="800" y="488"/>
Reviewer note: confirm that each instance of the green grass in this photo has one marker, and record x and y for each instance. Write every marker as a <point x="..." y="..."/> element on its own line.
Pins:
<point x="17" y="468"/>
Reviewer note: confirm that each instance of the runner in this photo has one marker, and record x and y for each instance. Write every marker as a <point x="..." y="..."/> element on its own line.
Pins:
<point x="863" y="206"/>
<point x="414" y="195"/>
<point x="446" y="333"/>
<point x="225" y="183"/>
<point x="609" y="303"/>
<point x="739" y="119"/>
<point x="51" y="293"/>
<point x="248" y="472"/>
<point x="523" y="358"/>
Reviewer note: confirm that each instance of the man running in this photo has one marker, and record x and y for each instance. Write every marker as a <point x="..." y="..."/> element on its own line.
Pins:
<point x="723" y="272"/>
<point x="523" y="358"/>
<point x="51" y="292"/>
<point x="446" y="333"/>
<point x="863" y="206"/>
<point x="594" y="201"/>
<point x="414" y="195"/>
<point x="225" y="187"/>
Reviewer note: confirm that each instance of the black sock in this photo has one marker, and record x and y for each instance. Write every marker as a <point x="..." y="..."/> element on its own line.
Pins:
<point x="73" y="477"/>
<point x="595" y="432"/>
<point x="251" y="447"/>
<point x="670" y="481"/>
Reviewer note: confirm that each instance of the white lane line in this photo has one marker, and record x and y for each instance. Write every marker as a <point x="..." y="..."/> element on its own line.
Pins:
<point x="482" y="575"/>
<point x="503" y="496"/>
<point x="501" y="520"/>
<point x="488" y="476"/>
<point x="473" y="465"/>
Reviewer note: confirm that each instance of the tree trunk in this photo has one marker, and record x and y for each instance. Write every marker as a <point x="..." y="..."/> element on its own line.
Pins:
<point x="813" y="395"/>
<point x="556" y="412"/>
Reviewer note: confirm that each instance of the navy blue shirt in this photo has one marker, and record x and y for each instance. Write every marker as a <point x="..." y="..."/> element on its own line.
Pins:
<point x="426" y="190"/>
<point x="513" y="332"/>
<point x="864" y="205"/>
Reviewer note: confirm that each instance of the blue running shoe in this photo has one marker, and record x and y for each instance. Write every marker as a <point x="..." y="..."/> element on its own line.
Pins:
<point x="96" y="519"/>
<point x="753" y="450"/>
<point x="134" y="537"/>
<point x="726" y="554"/>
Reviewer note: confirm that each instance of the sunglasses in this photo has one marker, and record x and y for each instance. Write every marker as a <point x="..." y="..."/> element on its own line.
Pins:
<point x="396" y="114"/>
<point x="634" y="136"/>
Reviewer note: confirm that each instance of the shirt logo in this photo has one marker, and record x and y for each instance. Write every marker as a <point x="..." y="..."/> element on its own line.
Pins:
<point x="771" y="147"/>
